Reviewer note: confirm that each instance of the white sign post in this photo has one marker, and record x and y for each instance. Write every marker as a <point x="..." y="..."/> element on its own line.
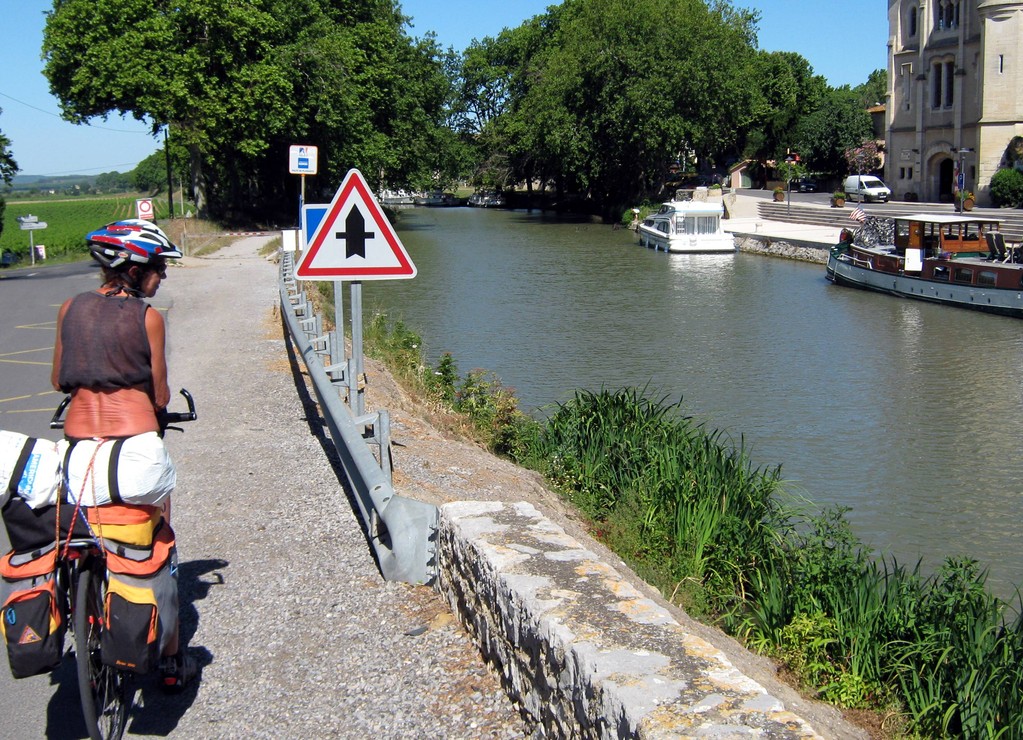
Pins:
<point x="354" y="241"/>
<point x="31" y="224"/>
<point x="144" y="210"/>
<point x="302" y="161"/>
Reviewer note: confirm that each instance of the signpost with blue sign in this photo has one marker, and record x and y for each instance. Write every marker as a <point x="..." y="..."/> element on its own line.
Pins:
<point x="302" y="161"/>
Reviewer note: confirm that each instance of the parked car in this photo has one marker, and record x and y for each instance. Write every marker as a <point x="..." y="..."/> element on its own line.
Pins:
<point x="804" y="185"/>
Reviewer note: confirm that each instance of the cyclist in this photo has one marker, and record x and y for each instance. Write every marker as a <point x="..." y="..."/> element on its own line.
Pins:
<point x="109" y="355"/>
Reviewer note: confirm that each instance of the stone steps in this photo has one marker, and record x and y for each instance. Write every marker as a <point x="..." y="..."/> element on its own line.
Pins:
<point x="819" y="215"/>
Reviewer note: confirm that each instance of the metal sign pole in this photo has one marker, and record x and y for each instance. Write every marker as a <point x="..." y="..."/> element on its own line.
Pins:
<point x="339" y="324"/>
<point x="32" y="245"/>
<point x="356" y="398"/>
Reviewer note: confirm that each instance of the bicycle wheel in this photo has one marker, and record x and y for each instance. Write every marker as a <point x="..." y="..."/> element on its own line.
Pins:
<point x="104" y="690"/>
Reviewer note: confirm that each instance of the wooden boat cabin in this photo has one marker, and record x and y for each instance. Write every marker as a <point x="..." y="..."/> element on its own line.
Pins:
<point x="945" y="248"/>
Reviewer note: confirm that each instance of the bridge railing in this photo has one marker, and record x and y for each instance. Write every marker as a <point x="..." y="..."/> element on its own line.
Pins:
<point x="402" y="531"/>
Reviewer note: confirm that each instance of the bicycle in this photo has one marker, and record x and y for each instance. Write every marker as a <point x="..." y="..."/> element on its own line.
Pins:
<point x="105" y="691"/>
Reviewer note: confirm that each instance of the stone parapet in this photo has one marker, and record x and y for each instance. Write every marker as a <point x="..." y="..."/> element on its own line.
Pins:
<point x="581" y="650"/>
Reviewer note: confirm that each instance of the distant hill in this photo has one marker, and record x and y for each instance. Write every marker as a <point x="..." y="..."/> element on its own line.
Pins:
<point x="26" y="182"/>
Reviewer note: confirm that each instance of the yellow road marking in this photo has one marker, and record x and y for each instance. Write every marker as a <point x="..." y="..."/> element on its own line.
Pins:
<point x="26" y="351"/>
<point x="29" y="395"/>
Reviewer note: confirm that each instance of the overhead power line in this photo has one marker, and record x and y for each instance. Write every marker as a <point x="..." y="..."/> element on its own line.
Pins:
<point x="90" y="125"/>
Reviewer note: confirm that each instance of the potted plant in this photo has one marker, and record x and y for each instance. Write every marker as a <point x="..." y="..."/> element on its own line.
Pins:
<point x="838" y="199"/>
<point x="779" y="194"/>
<point x="967" y="200"/>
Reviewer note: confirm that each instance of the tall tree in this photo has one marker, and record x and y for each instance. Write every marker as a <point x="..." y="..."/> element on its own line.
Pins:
<point x="8" y="168"/>
<point x="824" y="136"/>
<point x="239" y="81"/>
<point x="628" y="86"/>
<point x="786" y="90"/>
<point x="875" y="90"/>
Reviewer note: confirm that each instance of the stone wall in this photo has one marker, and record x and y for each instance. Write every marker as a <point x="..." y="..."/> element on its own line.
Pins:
<point x="778" y="247"/>
<point x="580" y="649"/>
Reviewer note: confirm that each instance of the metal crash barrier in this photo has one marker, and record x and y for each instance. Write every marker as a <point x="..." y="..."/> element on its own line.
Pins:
<point x="402" y="531"/>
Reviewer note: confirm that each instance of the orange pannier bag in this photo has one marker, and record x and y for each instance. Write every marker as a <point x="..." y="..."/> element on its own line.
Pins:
<point x="127" y="524"/>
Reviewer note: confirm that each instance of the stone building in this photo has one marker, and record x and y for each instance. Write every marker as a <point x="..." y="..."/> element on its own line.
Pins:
<point x="954" y="100"/>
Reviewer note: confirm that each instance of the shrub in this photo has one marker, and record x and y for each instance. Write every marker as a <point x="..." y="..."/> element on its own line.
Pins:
<point x="1007" y="188"/>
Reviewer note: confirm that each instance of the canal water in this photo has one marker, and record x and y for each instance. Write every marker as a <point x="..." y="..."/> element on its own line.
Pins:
<point x="907" y="413"/>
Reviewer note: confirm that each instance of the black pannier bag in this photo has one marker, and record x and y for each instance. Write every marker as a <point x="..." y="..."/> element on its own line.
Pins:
<point x="31" y="612"/>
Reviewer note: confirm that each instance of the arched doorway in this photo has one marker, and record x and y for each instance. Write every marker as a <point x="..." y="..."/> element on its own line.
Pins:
<point x="945" y="177"/>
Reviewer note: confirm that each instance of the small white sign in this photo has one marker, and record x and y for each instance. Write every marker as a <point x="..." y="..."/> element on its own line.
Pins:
<point x="289" y="240"/>
<point x="144" y="209"/>
<point x="302" y="160"/>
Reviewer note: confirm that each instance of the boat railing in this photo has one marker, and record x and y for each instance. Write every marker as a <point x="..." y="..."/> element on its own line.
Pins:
<point x="856" y="261"/>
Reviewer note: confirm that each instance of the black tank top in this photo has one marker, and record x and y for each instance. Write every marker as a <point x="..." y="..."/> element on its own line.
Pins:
<point x="104" y="345"/>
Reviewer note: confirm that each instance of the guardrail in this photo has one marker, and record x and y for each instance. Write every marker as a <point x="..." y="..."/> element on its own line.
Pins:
<point x="402" y="531"/>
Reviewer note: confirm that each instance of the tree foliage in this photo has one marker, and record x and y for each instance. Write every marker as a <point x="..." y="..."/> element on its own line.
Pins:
<point x="1007" y="188"/>
<point x="597" y="100"/>
<point x="823" y="136"/>
<point x="239" y="82"/>
<point x="599" y="97"/>
<point x="8" y="168"/>
<point x="150" y="175"/>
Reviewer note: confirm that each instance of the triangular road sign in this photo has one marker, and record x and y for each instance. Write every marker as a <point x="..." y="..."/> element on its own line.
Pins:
<point x="354" y="240"/>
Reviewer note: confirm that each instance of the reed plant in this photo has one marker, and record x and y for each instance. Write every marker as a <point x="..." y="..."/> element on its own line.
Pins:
<point x="687" y="509"/>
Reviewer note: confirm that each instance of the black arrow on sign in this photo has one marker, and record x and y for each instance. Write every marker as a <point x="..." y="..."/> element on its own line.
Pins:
<point x="355" y="234"/>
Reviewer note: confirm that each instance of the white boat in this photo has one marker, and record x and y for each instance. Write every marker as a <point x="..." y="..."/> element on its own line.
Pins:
<point x="486" y="199"/>
<point x="396" y="198"/>
<point x="686" y="226"/>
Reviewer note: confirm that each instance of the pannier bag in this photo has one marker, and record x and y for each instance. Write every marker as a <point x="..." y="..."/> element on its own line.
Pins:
<point x="33" y="530"/>
<point x="141" y="609"/>
<point x="132" y="470"/>
<point x="30" y="620"/>
<point x="29" y="468"/>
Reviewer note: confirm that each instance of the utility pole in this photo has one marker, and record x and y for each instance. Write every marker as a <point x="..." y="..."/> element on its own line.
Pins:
<point x="170" y="181"/>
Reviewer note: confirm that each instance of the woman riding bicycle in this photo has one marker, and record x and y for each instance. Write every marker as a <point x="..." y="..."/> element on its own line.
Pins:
<point x="109" y="355"/>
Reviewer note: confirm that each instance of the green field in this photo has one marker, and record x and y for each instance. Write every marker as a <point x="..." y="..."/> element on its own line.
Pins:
<point x="67" y="220"/>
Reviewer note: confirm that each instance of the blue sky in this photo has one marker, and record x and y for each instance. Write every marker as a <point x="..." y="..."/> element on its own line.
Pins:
<point x="843" y="41"/>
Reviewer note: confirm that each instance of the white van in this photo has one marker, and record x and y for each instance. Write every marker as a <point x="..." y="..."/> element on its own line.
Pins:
<point x="866" y="188"/>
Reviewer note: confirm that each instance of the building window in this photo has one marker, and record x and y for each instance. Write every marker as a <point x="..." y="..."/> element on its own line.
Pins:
<point x="950" y="68"/>
<point x="909" y="173"/>
<point x="943" y="84"/>
<point x="911" y="25"/>
<point x="946" y="15"/>
<point x="1001" y="64"/>
<point x="907" y="85"/>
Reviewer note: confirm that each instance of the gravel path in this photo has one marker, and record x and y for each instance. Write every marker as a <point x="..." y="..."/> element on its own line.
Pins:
<point x="297" y="633"/>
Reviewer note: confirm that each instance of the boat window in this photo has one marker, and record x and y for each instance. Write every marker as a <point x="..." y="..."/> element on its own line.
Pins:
<point x="941" y="272"/>
<point x="902" y="231"/>
<point x="987" y="277"/>
<point x="963" y="275"/>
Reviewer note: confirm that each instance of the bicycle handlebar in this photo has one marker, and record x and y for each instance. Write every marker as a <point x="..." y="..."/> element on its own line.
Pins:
<point x="164" y="417"/>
